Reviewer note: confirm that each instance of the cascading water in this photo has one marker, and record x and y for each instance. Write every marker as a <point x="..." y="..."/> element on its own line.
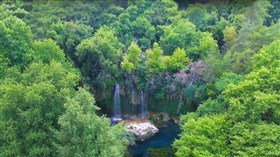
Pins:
<point x="133" y="112"/>
<point x="143" y="106"/>
<point x="117" y="105"/>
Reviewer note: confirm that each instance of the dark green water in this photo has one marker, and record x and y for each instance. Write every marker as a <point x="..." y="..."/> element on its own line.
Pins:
<point x="163" y="139"/>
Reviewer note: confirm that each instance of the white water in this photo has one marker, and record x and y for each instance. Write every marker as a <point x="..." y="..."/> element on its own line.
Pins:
<point x="138" y="106"/>
<point x="117" y="108"/>
<point x="133" y="103"/>
<point x="143" y="106"/>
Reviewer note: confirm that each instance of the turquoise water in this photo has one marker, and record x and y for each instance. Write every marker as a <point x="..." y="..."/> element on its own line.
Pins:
<point x="164" y="138"/>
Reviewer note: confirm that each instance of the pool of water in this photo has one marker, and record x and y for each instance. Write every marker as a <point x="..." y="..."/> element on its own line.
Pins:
<point x="164" y="138"/>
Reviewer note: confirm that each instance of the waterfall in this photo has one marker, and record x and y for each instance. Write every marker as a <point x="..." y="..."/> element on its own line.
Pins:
<point x="133" y="112"/>
<point x="117" y="107"/>
<point x="143" y="106"/>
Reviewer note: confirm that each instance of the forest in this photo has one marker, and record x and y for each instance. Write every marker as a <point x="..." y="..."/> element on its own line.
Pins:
<point x="212" y="64"/>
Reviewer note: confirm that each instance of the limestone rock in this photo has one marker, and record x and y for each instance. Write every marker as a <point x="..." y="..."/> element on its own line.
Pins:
<point x="142" y="130"/>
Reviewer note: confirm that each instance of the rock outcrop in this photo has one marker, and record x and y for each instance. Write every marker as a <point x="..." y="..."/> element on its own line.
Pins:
<point x="143" y="130"/>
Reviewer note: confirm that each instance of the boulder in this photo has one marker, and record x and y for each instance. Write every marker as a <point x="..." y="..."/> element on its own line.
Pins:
<point x="142" y="130"/>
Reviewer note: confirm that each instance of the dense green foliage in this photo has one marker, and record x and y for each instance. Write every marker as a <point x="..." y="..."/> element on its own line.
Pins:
<point x="31" y="103"/>
<point x="15" y="40"/>
<point x="249" y="120"/>
<point x="83" y="133"/>
<point x="131" y="60"/>
<point x="98" y="58"/>
<point x="217" y="58"/>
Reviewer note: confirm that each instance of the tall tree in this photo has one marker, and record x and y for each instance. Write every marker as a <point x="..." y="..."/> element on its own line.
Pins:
<point x="68" y="36"/>
<point x="177" y="61"/>
<point x="203" y="137"/>
<point x="98" y="58"/>
<point x="45" y="51"/>
<point x="180" y="34"/>
<point x="131" y="60"/>
<point x="154" y="63"/>
<point x="29" y="107"/>
<point x="242" y="51"/>
<point x="15" y="40"/>
<point x="83" y="133"/>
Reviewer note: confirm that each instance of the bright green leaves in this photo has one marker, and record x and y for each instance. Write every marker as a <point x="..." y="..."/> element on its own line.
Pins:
<point x="98" y="58"/>
<point x="83" y="133"/>
<point x="211" y="107"/>
<point x="100" y="52"/>
<point x="15" y="40"/>
<point x="203" y="137"/>
<point x="251" y="108"/>
<point x="131" y="60"/>
<point x="11" y="10"/>
<point x="157" y="63"/>
<point x="30" y="112"/>
<point x="46" y="51"/>
<point x="207" y="47"/>
<point x="255" y="97"/>
<point x="269" y="56"/>
<point x="127" y="66"/>
<point x="30" y="103"/>
<point x="4" y="62"/>
<point x="180" y="34"/>
<point x="154" y="61"/>
<point x="56" y="73"/>
<point x="143" y="31"/>
<point x="255" y="140"/>
<point x="177" y="61"/>
<point x="36" y="78"/>
<point x="230" y="36"/>
<point x="134" y="26"/>
<point x="138" y="22"/>
<point x="226" y="79"/>
<point x="31" y="100"/>
<point x="68" y="35"/>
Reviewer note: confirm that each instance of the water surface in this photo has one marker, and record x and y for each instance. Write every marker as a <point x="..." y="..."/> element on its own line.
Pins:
<point x="164" y="138"/>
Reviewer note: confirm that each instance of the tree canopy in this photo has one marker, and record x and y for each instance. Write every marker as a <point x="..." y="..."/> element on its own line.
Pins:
<point x="215" y="64"/>
<point x="251" y="117"/>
